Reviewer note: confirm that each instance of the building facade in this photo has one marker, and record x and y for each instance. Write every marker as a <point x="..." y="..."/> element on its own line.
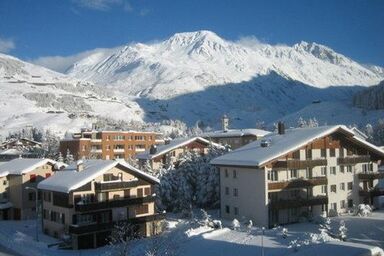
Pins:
<point x="299" y="173"/>
<point x="19" y="203"/>
<point x="161" y="156"/>
<point x="85" y="202"/>
<point x="108" y="145"/>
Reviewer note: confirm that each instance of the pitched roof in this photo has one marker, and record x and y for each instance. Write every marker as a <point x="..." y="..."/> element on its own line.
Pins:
<point x="254" y="154"/>
<point x="21" y="166"/>
<point x="235" y="133"/>
<point x="69" y="179"/>
<point x="173" y="144"/>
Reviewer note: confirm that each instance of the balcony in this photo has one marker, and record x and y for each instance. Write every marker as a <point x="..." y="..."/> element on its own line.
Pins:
<point x="118" y="150"/>
<point x="139" y="149"/>
<point x="297" y="183"/>
<point x="352" y="160"/>
<point x="95" y="140"/>
<point x="298" y="202"/>
<point x="96" y="150"/>
<point x="371" y="175"/>
<point x="93" y="206"/>
<point x="117" y="185"/>
<point x="300" y="164"/>
<point x="97" y="227"/>
<point x="371" y="193"/>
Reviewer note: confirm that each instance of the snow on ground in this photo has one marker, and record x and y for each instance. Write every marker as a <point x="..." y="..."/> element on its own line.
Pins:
<point x="365" y="236"/>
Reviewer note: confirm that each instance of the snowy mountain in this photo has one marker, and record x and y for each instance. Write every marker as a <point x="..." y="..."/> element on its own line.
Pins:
<point x="191" y="62"/>
<point x="192" y="77"/>
<point x="35" y="96"/>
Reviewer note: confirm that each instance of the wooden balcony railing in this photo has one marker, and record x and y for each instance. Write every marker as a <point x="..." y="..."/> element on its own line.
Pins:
<point x="352" y="160"/>
<point x="371" y="175"/>
<point x="298" y="202"/>
<point x="300" y="164"/>
<point x="117" y="185"/>
<point x="371" y="193"/>
<point x="97" y="227"/>
<point x="297" y="183"/>
<point x="92" y="206"/>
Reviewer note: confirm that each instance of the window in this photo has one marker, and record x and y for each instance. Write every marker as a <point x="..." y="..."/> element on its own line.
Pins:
<point x="116" y="197"/>
<point x="324" y="170"/>
<point x="31" y="196"/>
<point x="309" y="153"/>
<point x="226" y="173"/>
<point x="334" y="206"/>
<point x="32" y="178"/>
<point x="47" y="196"/>
<point x="342" y="186"/>
<point x="147" y="191"/>
<point x="234" y="174"/>
<point x="333" y="188"/>
<point x="349" y="185"/>
<point x="350" y="203"/>
<point x="293" y="173"/>
<point x="235" y="192"/>
<point x="332" y="170"/>
<point x="227" y="191"/>
<point x="332" y="152"/>
<point x="349" y="168"/>
<point x="236" y="210"/>
<point x="342" y="204"/>
<point x="4" y="182"/>
<point x="324" y="189"/>
<point x="62" y="218"/>
<point x="141" y="209"/>
<point x="342" y="169"/>
<point x="272" y="176"/>
<point x="323" y="152"/>
<point x="139" y="192"/>
<point x="45" y="214"/>
<point x="47" y="175"/>
<point x="227" y="209"/>
<point x="296" y="154"/>
<point x="366" y="168"/>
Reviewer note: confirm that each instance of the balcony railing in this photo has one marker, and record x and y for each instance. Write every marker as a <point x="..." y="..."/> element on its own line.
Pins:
<point x="117" y="185"/>
<point x="371" y="175"/>
<point x="371" y="193"/>
<point x="298" y="202"/>
<point x="118" y="150"/>
<point x="353" y="160"/>
<point x="97" y="227"/>
<point x="92" y="206"/>
<point x="297" y="183"/>
<point x="300" y="164"/>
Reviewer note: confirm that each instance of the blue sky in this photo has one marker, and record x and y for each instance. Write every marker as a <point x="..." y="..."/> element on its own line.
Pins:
<point x="30" y="29"/>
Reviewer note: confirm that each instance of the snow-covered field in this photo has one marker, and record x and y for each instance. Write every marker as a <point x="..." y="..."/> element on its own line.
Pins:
<point x="364" y="237"/>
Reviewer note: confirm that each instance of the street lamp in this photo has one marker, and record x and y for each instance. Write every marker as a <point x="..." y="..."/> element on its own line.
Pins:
<point x="262" y="241"/>
<point x="37" y="215"/>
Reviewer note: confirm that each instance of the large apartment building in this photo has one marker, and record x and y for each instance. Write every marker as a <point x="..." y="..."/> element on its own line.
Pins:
<point x="298" y="173"/>
<point x="108" y="145"/>
<point x="16" y="176"/>
<point x="86" y="199"/>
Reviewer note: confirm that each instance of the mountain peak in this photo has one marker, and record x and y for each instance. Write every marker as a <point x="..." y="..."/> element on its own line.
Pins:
<point x="190" y="38"/>
<point x="321" y="52"/>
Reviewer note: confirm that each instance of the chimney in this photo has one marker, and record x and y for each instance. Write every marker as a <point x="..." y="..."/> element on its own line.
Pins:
<point x="79" y="165"/>
<point x="281" y="128"/>
<point x="167" y="141"/>
<point x="153" y="150"/>
<point x="225" y="123"/>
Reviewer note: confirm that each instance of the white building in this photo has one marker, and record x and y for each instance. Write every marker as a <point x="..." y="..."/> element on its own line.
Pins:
<point x="298" y="173"/>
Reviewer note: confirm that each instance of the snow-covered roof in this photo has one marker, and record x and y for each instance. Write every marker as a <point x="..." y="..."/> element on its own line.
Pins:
<point x="254" y="154"/>
<point x="11" y="151"/>
<point x="235" y="133"/>
<point x="173" y="144"/>
<point x="70" y="179"/>
<point x="21" y="166"/>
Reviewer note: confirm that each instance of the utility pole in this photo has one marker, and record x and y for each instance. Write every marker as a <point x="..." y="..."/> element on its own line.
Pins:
<point x="262" y="241"/>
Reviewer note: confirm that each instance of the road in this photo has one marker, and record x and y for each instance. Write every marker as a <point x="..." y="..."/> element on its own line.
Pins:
<point x="6" y="252"/>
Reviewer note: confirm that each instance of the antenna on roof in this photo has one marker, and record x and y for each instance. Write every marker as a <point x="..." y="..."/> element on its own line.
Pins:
<point x="225" y="122"/>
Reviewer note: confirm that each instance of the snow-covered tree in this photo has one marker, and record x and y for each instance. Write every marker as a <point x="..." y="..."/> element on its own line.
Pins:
<point x="301" y="123"/>
<point x="235" y="224"/>
<point x="60" y="158"/>
<point x="284" y="233"/>
<point x="121" y="235"/>
<point x="69" y="159"/>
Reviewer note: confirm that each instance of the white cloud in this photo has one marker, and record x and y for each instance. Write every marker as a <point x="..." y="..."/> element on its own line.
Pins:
<point x="6" y="45"/>
<point x="104" y="5"/>
<point x="63" y="63"/>
<point x="250" y="41"/>
<point x="101" y="5"/>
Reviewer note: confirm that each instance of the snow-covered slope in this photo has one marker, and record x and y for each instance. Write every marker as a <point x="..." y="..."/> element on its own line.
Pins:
<point x="31" y="95"/>
<point x="191" y="62"/>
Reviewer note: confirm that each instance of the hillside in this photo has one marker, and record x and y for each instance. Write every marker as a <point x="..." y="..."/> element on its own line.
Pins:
<point x="371" y="98"/>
